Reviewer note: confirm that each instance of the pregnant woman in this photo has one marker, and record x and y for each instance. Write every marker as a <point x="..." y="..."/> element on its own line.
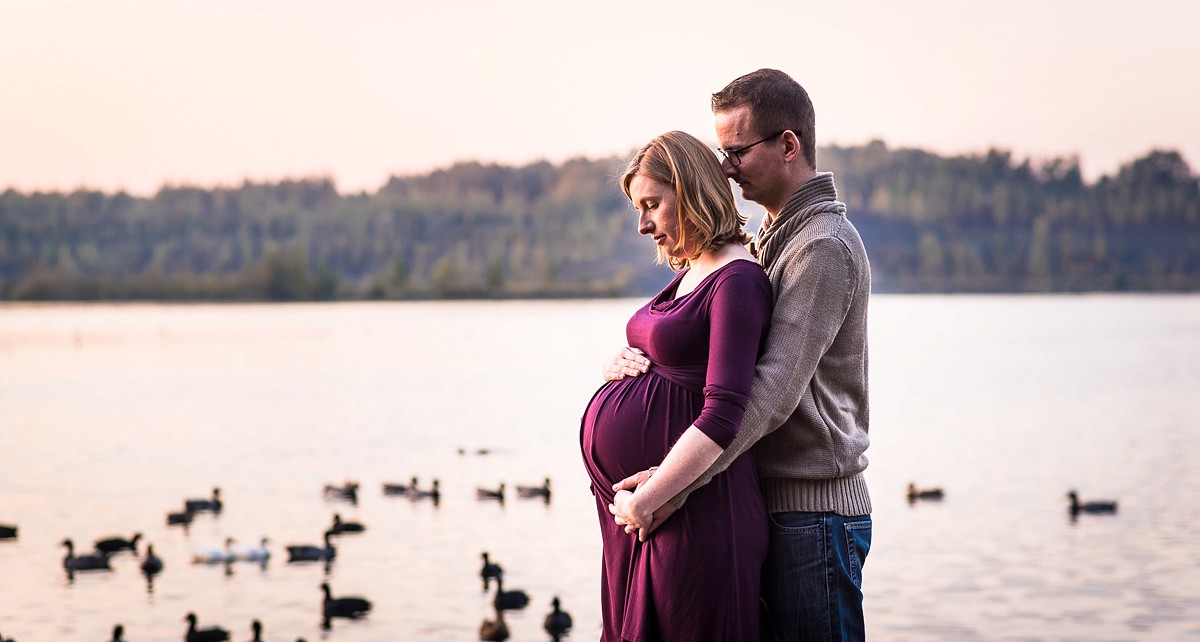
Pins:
<point x="697" y="576"/>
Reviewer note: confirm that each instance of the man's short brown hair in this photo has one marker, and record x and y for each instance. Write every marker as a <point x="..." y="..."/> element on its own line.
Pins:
<point x="777" y="103"/>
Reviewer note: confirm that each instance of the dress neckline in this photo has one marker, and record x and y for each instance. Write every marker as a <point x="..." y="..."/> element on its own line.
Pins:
<point x="668" y="296"/>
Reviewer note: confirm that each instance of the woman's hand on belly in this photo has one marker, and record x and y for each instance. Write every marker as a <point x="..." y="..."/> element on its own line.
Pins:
<point x="629" y="362"/>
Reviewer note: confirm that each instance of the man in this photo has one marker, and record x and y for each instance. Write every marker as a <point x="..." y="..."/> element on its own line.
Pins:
<point x="808" y="412"/>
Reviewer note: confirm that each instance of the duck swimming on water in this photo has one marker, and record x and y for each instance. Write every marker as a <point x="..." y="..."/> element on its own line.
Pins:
<point x="215" y="555"/>
<point x="1106" y="507"/>
<point x="213" y="505"/>
<point x="340" y="527"/>
<point x="152" y="565"/>
<point x="542" y="491"/>
<point x="258" y="553"/>
<point x="487" y="493"/>
<point x="309" y="553"/>
<point x="400" y="489"/>
<point x="558" y="621"/>
<point x="433" y="493"/>
<point x="926" y="493"/>
<point x="112" y="545"/>
<point x="494" y="630"/>
<point x="211" y="634"/>
<point x="347" y="607"/>
<point x="94" y="562"/>
<point x="490" y="571"/>
<point x="509" y="600"/>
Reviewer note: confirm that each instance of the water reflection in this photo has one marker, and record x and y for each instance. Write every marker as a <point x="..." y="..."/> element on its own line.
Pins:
<point x="962" y="387"/>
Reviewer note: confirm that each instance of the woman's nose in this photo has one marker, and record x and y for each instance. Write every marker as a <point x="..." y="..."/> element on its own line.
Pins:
<point x="645" y="225"/>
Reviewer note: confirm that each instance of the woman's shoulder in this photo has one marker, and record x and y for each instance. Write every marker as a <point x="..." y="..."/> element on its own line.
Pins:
<point x="741" y="269"/>
<point x="742" y="275"/>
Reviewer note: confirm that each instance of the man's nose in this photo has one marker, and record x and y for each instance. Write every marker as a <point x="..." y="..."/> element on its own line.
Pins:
<point x="728" y="168"/>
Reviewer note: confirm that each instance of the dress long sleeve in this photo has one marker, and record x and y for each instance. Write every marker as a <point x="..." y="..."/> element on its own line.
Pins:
<point x="740" y="313"/>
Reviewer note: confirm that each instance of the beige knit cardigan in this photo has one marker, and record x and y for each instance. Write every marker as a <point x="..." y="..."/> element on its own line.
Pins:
<point x="807" y="416"/>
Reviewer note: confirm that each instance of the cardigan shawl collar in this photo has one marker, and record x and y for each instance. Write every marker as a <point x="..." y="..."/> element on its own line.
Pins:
<point x="817" y="196"/>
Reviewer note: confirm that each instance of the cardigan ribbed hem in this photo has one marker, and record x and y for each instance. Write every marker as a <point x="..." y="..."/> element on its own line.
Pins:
<point x="846" y="496"/>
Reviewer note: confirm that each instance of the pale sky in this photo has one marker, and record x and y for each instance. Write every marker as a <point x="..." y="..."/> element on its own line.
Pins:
<point x="128" y="95"/>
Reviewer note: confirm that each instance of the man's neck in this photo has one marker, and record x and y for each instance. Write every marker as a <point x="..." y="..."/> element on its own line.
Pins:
<point x="794" y="183"/>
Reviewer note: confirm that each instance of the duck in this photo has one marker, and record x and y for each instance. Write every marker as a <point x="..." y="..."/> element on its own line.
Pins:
<point x="400" y="489"/>
<point x="152" y="565"/>
<point x="558" y="621"/>
<point x="112" y="545"/>
<point x="257" y="627"/>
<point x="211" y="634"/>
<point x="214" y="555"/>
<point x="1106" y="507"/>
<point x="494" y="630"/>
<point x="118" y="634"/>
<point x="94" y="562"/>
<point x="487" y="493"/>
<point x="258" y="553"/>
<point x="8" y="531"/>
<point x="213" y="505"/>
<point x="340" y="527"/>
<point x="433" y="493"/>
<point x="348" y="491"/>
<point x="181" y="518"/>
<point x="928" y="493"/>
<point x="509" y="600"/>
<point x="490" y="571"/>
<point x="535" y="491"/>
<point x="347" y="607"/>
<point x="308" y="553"/>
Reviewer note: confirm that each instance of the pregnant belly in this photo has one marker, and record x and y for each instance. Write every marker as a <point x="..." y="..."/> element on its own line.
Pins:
<point x="630" y="425"/>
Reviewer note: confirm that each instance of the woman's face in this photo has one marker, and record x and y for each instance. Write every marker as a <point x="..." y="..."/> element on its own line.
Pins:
<point x="657" y="218"/>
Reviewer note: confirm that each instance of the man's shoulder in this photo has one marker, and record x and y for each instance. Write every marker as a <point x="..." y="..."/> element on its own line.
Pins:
<point x="823" y="231"/>
<point x="834" y="241"/>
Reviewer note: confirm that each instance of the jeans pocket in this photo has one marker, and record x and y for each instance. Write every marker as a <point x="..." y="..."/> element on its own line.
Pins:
<point x="858" y="544"/>
<point x="797" y="523"/>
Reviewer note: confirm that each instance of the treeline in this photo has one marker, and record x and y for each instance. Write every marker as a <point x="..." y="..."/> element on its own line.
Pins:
<point x="988" y="223"/>
<point x="981" y="223"/>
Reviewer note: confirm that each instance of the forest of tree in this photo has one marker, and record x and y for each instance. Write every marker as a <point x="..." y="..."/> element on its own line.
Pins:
<point x="979" y="223"/>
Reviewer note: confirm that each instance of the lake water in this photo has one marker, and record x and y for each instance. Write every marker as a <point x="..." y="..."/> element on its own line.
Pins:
<point x="111" y="415"/>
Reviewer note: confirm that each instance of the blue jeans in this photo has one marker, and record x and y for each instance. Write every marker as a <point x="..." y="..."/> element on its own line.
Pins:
<point x="812" y="579"/>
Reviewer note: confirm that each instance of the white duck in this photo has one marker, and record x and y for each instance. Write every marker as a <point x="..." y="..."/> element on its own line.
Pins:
<point x="258" y="553"/>
<point x="214" y="555"/>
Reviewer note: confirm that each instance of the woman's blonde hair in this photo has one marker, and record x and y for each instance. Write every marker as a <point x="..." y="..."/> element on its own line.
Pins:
<point x="707" y="217"/>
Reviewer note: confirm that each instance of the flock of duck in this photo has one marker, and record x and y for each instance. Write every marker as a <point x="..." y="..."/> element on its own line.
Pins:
<point x="557" y="622"/>
<point x="1075" y="507"/>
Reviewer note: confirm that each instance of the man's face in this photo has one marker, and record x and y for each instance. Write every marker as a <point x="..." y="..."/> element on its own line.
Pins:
<point x="759" y="168"/>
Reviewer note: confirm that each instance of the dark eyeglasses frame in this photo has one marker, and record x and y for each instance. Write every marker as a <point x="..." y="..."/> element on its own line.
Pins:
<point x="734" y="156"/>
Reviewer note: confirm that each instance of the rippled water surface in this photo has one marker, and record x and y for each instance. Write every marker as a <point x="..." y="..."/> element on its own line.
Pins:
<point x="111" y="415"/>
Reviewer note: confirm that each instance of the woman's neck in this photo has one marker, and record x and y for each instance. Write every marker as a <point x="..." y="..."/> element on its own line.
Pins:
<point x="708" y="262"/>
<point x="713" y="259"/>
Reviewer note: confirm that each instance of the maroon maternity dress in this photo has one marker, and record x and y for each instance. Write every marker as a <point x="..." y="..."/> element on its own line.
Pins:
<point x="697" y="576"/>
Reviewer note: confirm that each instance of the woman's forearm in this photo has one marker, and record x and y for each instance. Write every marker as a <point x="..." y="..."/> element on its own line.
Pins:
<point x="684" y="463"/>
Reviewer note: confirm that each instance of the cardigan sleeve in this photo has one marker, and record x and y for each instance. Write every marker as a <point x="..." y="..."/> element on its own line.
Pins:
<point x="814" y="290"/>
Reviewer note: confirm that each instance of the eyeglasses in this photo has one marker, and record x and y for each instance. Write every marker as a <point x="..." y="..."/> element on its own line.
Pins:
<point x="734" y="156"/>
